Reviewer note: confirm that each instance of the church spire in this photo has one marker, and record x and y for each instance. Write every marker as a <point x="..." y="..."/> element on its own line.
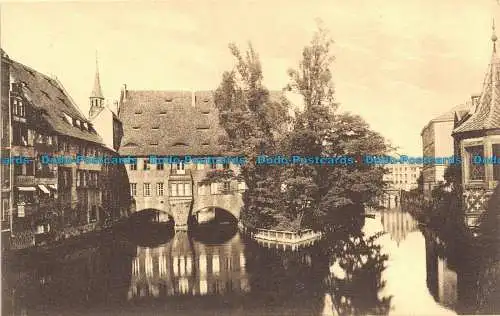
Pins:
<point x="97" y="92"/>
<point x="494" y="37"/>
<point x="487" y="114"/>
<point x="96" y="97"/>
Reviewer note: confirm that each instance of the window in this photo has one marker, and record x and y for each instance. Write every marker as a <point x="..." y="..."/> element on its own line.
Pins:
<point x="133" y="166"/>
<point x="225" y="165"/>
<point x="147" y="189"/>
<point x="19" y="134"/>
<point x="226" y="186"/>
<point x="173" y="189"/>
<point x="178" y="168"/>
<point x="180" y="189"/>
<point x="213" y="165"/>
<point x="159" y="189"/>
<point x="5" y="209"/>
<point x="146" y="164"/>
<point x="159" y="166"/>
<point x="133" y="189"/>
<point x="78" y="178"/>
<point x="476" y="170"/>
<point x="187" y="189"/>
<point x="496" y="167"/>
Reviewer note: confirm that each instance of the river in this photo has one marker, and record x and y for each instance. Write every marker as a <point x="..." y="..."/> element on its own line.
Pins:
<point x="393" y="267"/>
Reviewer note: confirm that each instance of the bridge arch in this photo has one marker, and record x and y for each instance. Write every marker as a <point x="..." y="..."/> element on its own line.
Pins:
<point x="231" y="203"/>
<point x="152" y="214"/>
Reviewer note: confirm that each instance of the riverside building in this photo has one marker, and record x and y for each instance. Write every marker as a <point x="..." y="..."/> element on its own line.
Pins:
<point x="45" y="202"/>
<point x="477" y="133"/>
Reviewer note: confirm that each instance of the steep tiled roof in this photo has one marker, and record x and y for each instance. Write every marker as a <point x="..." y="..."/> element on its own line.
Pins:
<point x="487" y="114"/>
<point x="170" y="123"/>
<point x="55" y="105"/>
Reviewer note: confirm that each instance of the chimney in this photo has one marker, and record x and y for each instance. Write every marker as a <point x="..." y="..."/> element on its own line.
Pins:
<point x="124" y="92"/>
<point x="193" y="98"/>
<point x="475" y="102"/>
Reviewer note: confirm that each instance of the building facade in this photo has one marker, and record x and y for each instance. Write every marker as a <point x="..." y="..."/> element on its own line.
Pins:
<point x="402" y="176"/>
<point x="177" y="124"/>
<point x="399" y="177"/>
<point x="45" y="200"/>
<point x="477" y="139"/>
<point x="437" y="141"/>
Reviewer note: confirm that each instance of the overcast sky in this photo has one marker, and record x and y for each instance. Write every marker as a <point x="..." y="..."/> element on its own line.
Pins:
<point x="398" y="63"/>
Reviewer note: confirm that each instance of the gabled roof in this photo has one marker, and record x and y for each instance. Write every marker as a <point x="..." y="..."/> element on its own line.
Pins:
<point x="448" y="116"/>
<point x="487" y="114"/>
<point x="170" y="123"/>
<point x="55" y="105"/>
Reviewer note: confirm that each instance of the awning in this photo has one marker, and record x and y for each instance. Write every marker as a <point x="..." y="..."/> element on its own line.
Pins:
<point x="26" y="188"/>
<point x="53" y="186"/>
<point x="44" y="188"/>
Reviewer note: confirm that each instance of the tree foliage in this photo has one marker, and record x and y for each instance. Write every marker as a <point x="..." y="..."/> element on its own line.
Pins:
<point x="250" y="119"/>
<point x="296" y="196"/>
<point x="317" y="192"/>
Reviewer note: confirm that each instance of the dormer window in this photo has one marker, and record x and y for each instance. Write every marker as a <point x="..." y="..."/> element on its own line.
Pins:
<point x="63" y="101"/>
<point x="138" y="112"/>
<point x="84" y="125"/>
<point x="203" y="127"/>
<point x="169" y="99"/>
<point x="155" y="128"/>
<point x="18" y="108"/>
<point x="45" y="94"/>
<point x="67" y="118"/>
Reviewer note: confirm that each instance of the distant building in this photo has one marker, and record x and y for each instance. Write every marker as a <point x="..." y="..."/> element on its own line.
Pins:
<point x="402" y="176"/>
<point x="438" y="142"/>
<point x="42" y="202"/>
<point x="477" y="136"/>
<point x="399" y="177"/>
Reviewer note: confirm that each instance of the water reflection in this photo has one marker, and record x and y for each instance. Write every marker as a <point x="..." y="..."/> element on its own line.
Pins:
<point x="186" y="267"/>
<point x="350" y="272"/>
<point x="398" y="224"/>
<point x="465" y="280"/>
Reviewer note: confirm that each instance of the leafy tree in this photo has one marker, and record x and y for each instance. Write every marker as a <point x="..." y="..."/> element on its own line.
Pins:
<point x="315" y="192"/>
<point x="250" y="120"/>
<point x="297" y="195"/>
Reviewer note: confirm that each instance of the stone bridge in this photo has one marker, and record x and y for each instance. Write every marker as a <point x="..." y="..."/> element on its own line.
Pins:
<point x="181" y="208"/>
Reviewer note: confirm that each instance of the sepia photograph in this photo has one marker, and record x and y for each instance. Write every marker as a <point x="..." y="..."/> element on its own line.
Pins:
<point x="250" y="157"/>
